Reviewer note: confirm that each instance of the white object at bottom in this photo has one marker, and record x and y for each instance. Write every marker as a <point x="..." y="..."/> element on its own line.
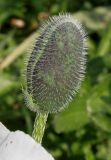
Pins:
<point x="20" y="146"/>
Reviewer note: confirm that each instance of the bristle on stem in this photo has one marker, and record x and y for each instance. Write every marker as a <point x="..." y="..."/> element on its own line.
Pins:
<point x="39" y="126"/>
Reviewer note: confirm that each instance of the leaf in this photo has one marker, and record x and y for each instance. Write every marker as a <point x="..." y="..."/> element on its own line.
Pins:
<point x="75" y="116"/>
<point x="99" y="104"/>
<point x="103" y="121"/>
<point x="96" y="19"/>
<point x="5" y="83"/>
<point x="100" y="93"/>
<point x="105" y="42"/>
<point x="88" y="153"/>
<point x="107" y="60"/>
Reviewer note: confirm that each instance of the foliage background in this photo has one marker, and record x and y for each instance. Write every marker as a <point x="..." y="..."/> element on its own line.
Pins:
<point x="83" y="130"/>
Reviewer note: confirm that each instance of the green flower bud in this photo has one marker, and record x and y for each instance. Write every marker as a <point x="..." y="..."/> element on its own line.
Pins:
<point x="56" y="64"/>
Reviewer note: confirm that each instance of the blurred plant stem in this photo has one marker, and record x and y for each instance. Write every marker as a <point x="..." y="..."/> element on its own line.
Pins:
<point x="18" y="51"/>
<point x="39" y="126"/>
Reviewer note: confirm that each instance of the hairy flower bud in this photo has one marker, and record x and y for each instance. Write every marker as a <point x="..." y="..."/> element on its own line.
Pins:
<point x="56" y="64"/>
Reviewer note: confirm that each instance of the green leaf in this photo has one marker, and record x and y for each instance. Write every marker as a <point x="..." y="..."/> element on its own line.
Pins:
<point x="105" y="42"/>
<point x="99" y="103"/>
<point x="96" y="19"/>
<point x="74" y="117"/>
<point x="4" y="84"/>
<point x="7" y="82"/>
<point x="103" y="121"/>
<point x="107" y="60"/>
<point x="88" y="153"/>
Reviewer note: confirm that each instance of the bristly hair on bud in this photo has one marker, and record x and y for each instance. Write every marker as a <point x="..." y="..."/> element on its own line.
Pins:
<point x="56" y="64"/>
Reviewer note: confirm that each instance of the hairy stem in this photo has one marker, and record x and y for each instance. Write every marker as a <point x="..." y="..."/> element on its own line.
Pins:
<point x="39" y="126"/>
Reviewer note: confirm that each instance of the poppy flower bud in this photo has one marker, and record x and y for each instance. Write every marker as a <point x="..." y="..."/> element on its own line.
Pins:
<point x="56" y="64"/>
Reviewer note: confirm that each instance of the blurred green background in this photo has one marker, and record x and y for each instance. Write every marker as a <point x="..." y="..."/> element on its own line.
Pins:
<point x="83" y="130"/>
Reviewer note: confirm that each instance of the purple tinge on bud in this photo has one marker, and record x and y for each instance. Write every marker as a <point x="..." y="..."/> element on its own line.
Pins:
<point x="56" y="64"/>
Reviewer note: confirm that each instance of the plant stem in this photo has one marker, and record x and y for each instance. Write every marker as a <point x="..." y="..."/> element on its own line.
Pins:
<point x="39" y="126"/>
<point x="19" y="50"/>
